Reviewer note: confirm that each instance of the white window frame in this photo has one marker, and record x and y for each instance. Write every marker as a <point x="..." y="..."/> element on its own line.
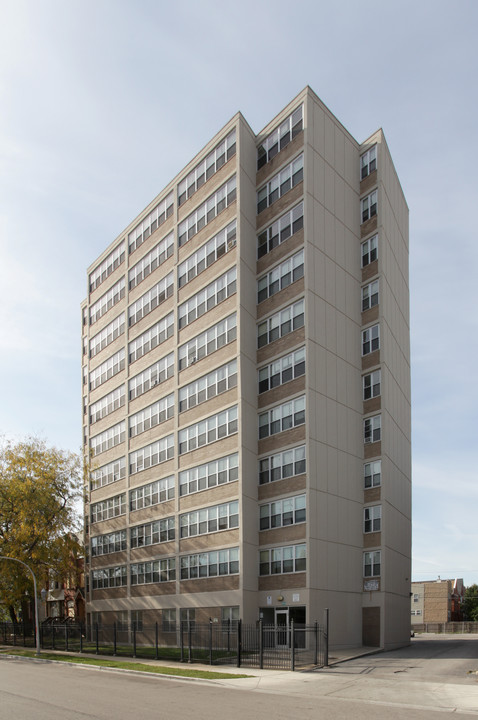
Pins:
<point x="372" y="472"/>
<point x="370" y="339"/>
<point x="369" y="251"/>
<point x="372" y="385"/>
<point x="372" y="429"/>
<point x="372" y="519"/>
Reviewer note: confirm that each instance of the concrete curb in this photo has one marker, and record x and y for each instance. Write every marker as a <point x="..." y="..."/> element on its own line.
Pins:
<point x="148" y="673"/>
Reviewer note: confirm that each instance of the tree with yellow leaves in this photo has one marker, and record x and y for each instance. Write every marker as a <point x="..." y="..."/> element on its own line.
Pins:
<point x="38" y="521"/>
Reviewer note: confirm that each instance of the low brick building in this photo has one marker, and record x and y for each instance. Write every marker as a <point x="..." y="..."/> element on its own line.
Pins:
<point x="436" y="601"/>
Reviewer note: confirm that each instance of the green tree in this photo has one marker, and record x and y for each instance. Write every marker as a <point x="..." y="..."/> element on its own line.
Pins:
<point x="470" y="603"/>
<point x="38" y="489"/>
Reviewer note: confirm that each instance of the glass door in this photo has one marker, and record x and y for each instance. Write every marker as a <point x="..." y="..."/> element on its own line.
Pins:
<point x="282" y="627"/>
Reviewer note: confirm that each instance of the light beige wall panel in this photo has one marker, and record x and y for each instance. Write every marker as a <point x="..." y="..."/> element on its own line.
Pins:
<point x="339" y="157"/>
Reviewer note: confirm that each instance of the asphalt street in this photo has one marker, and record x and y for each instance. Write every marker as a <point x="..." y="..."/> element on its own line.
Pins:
<point x="434" y="674"/>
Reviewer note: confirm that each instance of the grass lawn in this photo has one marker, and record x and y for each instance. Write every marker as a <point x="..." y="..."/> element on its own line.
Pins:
<point x="125" y="665"/>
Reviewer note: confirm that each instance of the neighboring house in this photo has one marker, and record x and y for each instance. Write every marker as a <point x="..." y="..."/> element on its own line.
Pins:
<point x="64" y="600"/>
<point x="246" y="388"/>
<point x="436" y="601"/>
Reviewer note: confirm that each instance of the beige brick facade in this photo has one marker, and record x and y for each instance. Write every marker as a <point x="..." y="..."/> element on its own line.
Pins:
<point x="196" y="508"/>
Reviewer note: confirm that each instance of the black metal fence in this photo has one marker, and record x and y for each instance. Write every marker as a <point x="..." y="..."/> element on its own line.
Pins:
<point x="285" y="647"/>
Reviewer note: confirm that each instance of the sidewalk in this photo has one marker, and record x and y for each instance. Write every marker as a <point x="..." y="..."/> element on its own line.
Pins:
<point x="335" y="657"/>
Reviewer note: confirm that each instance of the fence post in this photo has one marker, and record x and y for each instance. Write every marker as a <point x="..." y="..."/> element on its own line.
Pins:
<point x="190" y="637"/>
<point x="326" y="637"/>
<point x="261" y="646"/>
<point x="114" y="638"/>
<point x="66" y="637"/>
<point x="41" y="635"/>
<point x="53" y="630"/>
<point x="14" y="636"/>
<point x="81" y="637"/>
<point x="181" y="639"/>
<point x="96" y="638"/>
<point x="239" y="642"/>
<point x="316" y="630"/>
<point x="24" y="636"/>
<point x="134" y="639"/>
<point x="292" y="643"/>
<point x="210" y="641"/>
<point x="156" y="641"/>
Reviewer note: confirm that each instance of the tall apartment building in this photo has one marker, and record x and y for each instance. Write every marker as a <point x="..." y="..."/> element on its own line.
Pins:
<point x="246" y="389"/>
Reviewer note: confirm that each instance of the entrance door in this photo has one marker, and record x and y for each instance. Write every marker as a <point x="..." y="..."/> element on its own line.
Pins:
<point x="282" y="627"/>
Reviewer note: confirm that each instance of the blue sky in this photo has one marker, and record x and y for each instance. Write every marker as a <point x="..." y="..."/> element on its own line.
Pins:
<point x="103" y="101"/>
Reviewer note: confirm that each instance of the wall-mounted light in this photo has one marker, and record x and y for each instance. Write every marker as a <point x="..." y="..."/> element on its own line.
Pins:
<point x="280" y="598"/>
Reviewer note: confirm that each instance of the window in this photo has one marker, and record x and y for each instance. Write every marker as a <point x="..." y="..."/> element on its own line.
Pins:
<point x="282" y="370"/>
<point x="369" y="206"/>
<point x="215" y="248"/>
<point x="283" y="417"/>
<point x="108" y="369"/>
<point x="372" y="472"/>
<point x="153" y="572"/>
<point x="416" y="612"/>
<point x="148" y="264"/>
<point x="207" y="431"/>
<point x="107" y="335"/>
<point x="168" y="620"/>
<point x="202" y="477"/>
<point x="151" y="338"/>
<point x="109" y="578"/>
<point x="368" y="162"/>
<point x="188" y="615"/>
<point x="282" y="465"/>
<point x="280" y="324"/>
<point x="370" y="339"/>
<point x="208" y="386"/>
<point x="372" y="429"/>
<point x="207" y="298"/>
<point x="107" y="301"/>
<point x="287" y="178"/>
<point x="371" y="385"/>
<point x="207" y="168"/>
<point x="416" y="597"/>
<point x="107" y="404"/>
<point x="107" y="474"/>
<point x="215" y="204"/>
<point x="372" y="519"/>
<point x="151" y="299"/>
<point x="137" y="619"/>
<point x="281" y="277"/>
<point x="278" y="561"/>
<point x="371" y="564"/>
<point x="210" y="564"/>
<point x="109" y="265"/>
<point x="280" y="137"/>
<point x="369" y="250"/>
<point x="151" y="377"/>
<point x="152" y="533"/>
<point x="152" y="494"/>
<point x="229" y="618"/>
<point x="281" y="513"/>
<point x="280" y="230"/>
<point x="207" y="342"/>
<point x="151" y="222"/>
<point x="107" y="509"/>
<point x="151" y="416"/>
<point x="151" y="455"/>
<point x="108" y="439"/>
<point x="209" y="520"/>
<point x="107" y="544"/>
<point x="370" y="295"/>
